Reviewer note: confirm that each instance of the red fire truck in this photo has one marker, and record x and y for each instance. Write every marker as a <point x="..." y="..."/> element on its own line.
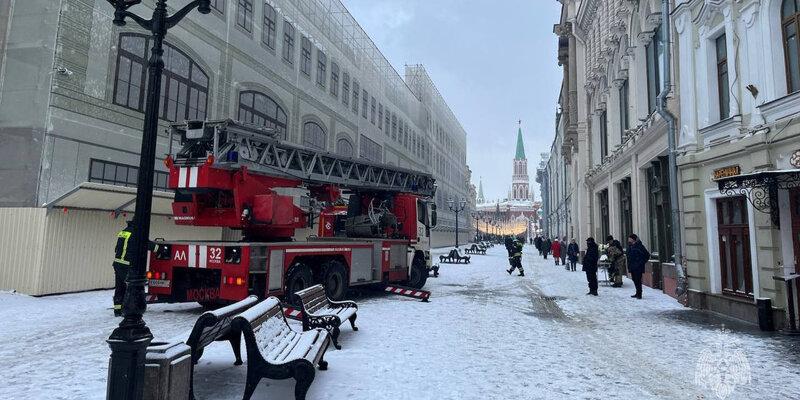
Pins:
<point x="305" y="216"/>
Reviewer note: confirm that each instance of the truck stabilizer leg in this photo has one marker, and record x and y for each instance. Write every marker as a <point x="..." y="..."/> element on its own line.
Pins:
<point x="423" y="295"/>
<point x="292" y="313"/>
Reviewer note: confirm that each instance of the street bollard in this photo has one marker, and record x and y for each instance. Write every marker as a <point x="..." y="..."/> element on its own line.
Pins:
<point x="765" y="320"/>
<point x="168" y="370"/>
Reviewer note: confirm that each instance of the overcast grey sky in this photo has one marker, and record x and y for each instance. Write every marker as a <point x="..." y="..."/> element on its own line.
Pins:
<point x="494" y="61"/>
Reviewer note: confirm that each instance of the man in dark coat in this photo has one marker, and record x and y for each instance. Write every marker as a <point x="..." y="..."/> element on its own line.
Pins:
<point x="590" y="265"/>
<point x="637" y="258"/>
<point x="538" y="243"/>
<point x="546" y="244"/>
<point x="572" y="254"/>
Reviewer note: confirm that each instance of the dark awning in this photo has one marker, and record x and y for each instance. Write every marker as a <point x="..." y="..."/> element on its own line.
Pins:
<point x="761" y="188"/>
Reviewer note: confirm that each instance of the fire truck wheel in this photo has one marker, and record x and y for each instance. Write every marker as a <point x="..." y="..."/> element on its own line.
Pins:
<point x="335" y="280"/>
<point x="298" y="278"/>
<point x="419" y="274"/>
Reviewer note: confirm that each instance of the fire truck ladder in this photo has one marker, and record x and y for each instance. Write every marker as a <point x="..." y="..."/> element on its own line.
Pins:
<point x="234" y="145"/>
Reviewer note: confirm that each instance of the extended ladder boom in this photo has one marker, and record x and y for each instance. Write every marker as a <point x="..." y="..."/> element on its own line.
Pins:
<point x="234" y="145"/>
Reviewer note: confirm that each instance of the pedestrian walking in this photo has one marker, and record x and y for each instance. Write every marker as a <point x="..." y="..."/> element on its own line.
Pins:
<point x="616" y="257"/>
<point x="572" y="254"/>
<point x="515" y="258"/>
<point x="546" y="244"/>
<point x="590" y="265"/>
<point x="637" y="257"/>
<point x="121" y="264"/>
<point x="556" y="249"/>
<point x="564" y="251"/>
<point x="538" y="244"/>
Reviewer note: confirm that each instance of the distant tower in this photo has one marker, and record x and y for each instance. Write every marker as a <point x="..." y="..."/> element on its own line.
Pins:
<point x="520" y="182"/>
<point x="481" y="199"/>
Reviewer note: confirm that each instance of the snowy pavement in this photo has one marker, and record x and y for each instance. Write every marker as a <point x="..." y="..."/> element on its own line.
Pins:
<point x="484" y="335"/>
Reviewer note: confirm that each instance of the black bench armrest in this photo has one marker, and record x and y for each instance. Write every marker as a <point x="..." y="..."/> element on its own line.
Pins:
<point x="343" y="304"/>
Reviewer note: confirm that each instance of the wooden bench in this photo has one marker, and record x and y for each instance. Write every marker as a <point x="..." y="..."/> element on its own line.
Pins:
<point x="321" y="312"/>
<point x="216" y="326"/>
<point x="453" y="258"/>
<point x="475" y="249"/>
<point x="276" y="351"/>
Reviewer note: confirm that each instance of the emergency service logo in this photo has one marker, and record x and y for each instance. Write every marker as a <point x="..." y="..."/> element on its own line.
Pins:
<point x="722" y="365"/>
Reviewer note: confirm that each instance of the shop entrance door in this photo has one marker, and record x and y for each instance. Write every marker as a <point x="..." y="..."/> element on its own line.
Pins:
<point x="734" y="246"/>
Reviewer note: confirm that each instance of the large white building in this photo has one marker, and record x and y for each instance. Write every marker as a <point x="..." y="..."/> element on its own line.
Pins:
<point x="71" y="110"/>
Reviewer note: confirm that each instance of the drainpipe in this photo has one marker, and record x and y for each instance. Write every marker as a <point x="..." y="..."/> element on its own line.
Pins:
<point x="671" y="144"/>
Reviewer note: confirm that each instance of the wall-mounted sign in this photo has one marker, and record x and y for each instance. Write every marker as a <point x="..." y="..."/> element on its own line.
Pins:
<point x="727" y="172"/>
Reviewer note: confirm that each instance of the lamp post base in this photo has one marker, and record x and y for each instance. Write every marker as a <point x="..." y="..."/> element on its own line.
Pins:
<point x="128" y="349"/>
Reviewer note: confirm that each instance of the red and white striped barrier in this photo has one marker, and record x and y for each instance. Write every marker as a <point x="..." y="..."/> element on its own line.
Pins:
<point x="423" y="295"/>
<point x="292" y="313"/>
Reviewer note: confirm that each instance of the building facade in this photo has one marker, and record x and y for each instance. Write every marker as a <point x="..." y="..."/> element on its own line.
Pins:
<point x="72" y="87"/>
<point x="739" y="140"/>
<point x="607" y="166"/>
<point x="735" y="83"/>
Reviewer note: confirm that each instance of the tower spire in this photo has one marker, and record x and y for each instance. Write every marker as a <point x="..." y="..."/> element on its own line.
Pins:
<point x="480" y="199"/>
<point x="520" y="146"/>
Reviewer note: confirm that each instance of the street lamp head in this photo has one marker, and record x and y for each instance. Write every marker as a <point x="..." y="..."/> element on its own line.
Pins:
<point x="120" y="6"/>
<point x="204" y="6"/>
<point x="450" y="201"/>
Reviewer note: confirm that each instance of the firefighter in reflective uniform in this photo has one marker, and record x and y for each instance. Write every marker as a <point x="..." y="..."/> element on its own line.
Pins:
<point x="516" y="258"/>
<point x="122" y="262"/>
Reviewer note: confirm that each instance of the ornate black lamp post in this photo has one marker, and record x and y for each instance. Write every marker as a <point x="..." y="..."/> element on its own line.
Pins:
<point x="477" y="216"/>
<point x="129" y="341"/>
<point x="456" y="207"/>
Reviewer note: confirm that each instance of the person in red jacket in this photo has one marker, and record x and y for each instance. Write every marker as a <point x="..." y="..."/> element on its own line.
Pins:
<point x="556" y="249"/>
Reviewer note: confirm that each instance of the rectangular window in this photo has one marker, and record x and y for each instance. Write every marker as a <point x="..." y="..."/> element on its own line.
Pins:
<point x="288" y="42"/>
<point x="305" y="56"/>
<point x="334" y="79"/>
<point x="356" y="90"/>
<point x="365" y="103"/>
<point x="218" y="5"/>
<point x="380" y="116"/>
<point x="386" y="122"/>
<point x="322" y="68"/>
<point x="112" y="173"/>
<point x="791" y="51"/>
<point x="345" y="88"/>
<point x="394" y="126"/>
<point x="603" y="135"/>
<point x="268" y="34"/>
<point x="244" y="15"/>
<point x="723" y="91"/>
<point x="372" y="111"/>
<point x="370" y="150"/>
<point x="624" y="120"/>
<point x="654" y="53"/>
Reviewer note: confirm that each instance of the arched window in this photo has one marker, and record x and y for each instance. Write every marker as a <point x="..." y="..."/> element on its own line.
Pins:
<point x="314" y="136"/>
<point x="344" y="147"/>
<point x="260" y="109"/>
<point x="184" y="85"/>
<point x="790" y="16"/>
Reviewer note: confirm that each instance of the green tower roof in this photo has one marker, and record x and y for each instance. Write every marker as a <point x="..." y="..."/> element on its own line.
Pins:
<point x="520" y="147"/>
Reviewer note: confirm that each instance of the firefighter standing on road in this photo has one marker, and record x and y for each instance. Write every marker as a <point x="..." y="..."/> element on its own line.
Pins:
<point x="122" y="263"/>
<point x="515" y="256"/>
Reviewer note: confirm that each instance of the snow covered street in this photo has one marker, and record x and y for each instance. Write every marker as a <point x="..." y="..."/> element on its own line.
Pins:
<point x="484" y="335"/>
